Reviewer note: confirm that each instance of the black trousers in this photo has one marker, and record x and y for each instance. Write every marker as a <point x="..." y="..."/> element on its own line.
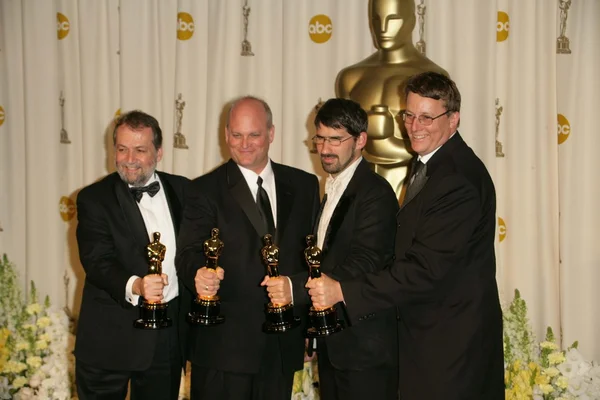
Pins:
<point x="336" y="384"/>
<point x="270" y="383"/>
<point x="159" y="382"/>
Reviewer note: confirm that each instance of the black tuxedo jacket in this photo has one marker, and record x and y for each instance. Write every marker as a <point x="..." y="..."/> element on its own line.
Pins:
<point x="360" y="239"/>
<point x="112" y="239"/>
<point x="222" y="199"/>
<point x="443" y="280"/>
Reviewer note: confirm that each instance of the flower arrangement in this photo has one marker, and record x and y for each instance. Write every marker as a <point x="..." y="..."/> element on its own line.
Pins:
<point x="541" y="371"/>
<point x="34" y="343"/>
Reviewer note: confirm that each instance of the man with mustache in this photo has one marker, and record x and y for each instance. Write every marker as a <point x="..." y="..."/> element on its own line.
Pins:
<point x="117" y="218"/>
<point x="356" y="232"/>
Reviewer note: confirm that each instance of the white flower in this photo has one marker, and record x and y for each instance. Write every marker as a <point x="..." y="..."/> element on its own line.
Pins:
<point x="577" y="386"/>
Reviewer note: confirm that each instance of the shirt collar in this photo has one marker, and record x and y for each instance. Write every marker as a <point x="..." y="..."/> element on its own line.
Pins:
<point x="342" y="180"/>
<point x="427" y="157"/>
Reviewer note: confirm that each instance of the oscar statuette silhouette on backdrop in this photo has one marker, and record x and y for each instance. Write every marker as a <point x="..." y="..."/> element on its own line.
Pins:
<point x="377" y="83"/>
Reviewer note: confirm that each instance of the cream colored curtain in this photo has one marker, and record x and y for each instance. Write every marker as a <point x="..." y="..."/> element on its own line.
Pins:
<point x="67" y="67"/>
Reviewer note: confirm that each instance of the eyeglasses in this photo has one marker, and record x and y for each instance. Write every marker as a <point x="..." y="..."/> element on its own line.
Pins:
<point x="424" y="120"/>
<point x="333" y="141"/>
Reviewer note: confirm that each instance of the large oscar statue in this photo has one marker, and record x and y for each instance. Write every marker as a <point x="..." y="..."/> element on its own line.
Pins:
<point x="206" y="310"/>
<point x="377" y="83"/>
<point x="279" y="317"/>
<point x="323" y="321"/>
<point x="154" y="315"/>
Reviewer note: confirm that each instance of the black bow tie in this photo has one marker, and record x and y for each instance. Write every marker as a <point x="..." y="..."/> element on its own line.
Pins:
<point x="151" y="189"/>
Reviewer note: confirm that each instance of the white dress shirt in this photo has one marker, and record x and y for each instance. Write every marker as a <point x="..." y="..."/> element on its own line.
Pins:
<point x="268" y="184"/>
<point x="334" y="188"/>
<point x="157" y="218"/>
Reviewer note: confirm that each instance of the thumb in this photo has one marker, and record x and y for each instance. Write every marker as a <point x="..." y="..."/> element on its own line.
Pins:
<point x="265" y="280"/>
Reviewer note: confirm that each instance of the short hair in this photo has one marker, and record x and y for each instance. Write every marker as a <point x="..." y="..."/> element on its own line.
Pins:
<point x="138" y="120"/>
<point x="346" y="114"/>
<point x="435" y="86"/>
<point x="268" y="111"/>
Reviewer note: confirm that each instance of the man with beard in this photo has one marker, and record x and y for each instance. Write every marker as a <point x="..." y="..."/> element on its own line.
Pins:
<point x="355" y="231"/>
<point x="117" y="218"/>
<point x="443" y="277"/>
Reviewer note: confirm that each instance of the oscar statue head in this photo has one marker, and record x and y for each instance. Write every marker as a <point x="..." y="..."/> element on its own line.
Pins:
<point x="391" y="23"/>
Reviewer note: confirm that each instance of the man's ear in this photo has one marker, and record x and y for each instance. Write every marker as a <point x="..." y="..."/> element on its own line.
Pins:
<point x="361" y="140"/>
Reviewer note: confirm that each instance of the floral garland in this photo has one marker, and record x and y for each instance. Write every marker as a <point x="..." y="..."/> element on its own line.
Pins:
<point x="34" y="343"/>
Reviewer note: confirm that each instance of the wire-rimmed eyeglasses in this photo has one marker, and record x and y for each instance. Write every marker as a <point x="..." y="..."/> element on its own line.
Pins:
<point x="333" y="141"/>
<point x="424" y="120"/>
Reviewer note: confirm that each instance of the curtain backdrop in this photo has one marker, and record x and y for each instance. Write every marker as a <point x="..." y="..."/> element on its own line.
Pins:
<point x="67" y="67"/>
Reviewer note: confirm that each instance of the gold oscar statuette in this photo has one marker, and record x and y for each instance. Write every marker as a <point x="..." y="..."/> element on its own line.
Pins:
<point x="206" y="310"/>
<point x="154" y="315"/>
<point x="377" y="83"/>
<point x="323" y="321"/>
<point x="279" y="317"/>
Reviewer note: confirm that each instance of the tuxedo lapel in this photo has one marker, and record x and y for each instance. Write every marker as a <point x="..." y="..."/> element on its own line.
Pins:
<point x="132" y="213"/>
<point x="285" y="199"/>
<point x="173" y="201"/>
<point x="241" y="193"/>
<point x="342" y="207"/>
<point x="437" y="159"/>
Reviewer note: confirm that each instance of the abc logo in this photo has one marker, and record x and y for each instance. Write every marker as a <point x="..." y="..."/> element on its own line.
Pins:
<point x="564" y="129"/>
<point x="502" y="27"/>
<point x="67" y="208"/>
<point x="185" y="26"/>
<point x="1" y="115"/>
<point x="117" y="113"/>
<point x="63" y="26"/>
<point x="501" y="229"/>
<point x="320" y="28"/>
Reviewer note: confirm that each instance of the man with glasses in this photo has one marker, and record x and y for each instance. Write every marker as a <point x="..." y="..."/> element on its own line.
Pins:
<point x="355" y="231"/>
<point x="443" y="276"/>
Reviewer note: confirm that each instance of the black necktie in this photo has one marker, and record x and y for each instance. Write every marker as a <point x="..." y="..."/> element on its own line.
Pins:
<point x="416" y="181"/>
<point x="264" y="207"/>
<point x="151" y="189"/>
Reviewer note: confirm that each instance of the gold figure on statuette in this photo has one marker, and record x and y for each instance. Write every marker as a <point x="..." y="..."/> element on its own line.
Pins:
<point x="377" y="83"/>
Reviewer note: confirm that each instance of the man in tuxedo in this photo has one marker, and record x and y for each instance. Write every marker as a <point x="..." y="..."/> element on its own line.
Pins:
<point x="117" y="218"/>
<point x="236" y="360"/>
<point x="443" y="276"/>
<point x="355" y="231"/>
